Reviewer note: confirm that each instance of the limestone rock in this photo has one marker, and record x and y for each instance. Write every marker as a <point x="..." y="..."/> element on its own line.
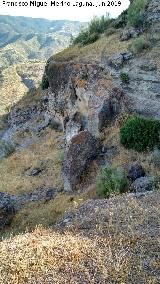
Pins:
<point x="117" y="60"/>
<point x="130" y="33"/>
<point x="142" y="94"/>
<point x="82" y="96"/>
<point x="80" y="151"/>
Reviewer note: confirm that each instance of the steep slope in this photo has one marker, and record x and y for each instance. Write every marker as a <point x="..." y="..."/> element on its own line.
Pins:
<point x="25" y="44"/>
<point x="129" y="53"/>
<point x="58" y="141"/>
<point x="26" y="38"/>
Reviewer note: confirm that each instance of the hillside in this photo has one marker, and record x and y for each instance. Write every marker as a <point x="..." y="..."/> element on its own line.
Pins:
<point x="80" y="159"/>
<point x="25" y="45"/>
<point x="27" y="38"/>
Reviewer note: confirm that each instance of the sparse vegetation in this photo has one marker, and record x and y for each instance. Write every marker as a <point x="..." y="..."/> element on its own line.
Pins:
<point x="138" y="45"/>
<point x="96" y="27"/>
<point x="140" y="134"/>
<point x="111" y="181"/>
<point x="124" y="77"/>
<point x="135" y="14"/>
<point x="13" y="177"/>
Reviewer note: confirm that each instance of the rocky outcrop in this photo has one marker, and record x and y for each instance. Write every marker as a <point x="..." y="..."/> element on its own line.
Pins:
<point x="142" y="92"/>
<point x="130" y="33"/>
<point x="152" y="14"/>
<point x="117" y="60"/>
<point x="82" y="97"/>
<point x="80" y="151"/>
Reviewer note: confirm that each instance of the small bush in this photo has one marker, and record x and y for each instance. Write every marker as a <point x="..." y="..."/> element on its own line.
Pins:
<point x="135" y="14"/>
<point x="138" y="45"/>
<point x="140" y="134"/>
<point x="111" y="180"/>
<point x="96" y="27"/>
<point x="155" y="157"/>
<point x="124" y="77"/>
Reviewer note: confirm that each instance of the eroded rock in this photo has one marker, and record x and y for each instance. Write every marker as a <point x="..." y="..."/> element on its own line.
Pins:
<point x="82" y="96"/>
<point x="80" y="151"/>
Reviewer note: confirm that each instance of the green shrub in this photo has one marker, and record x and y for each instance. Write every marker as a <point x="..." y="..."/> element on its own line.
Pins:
<point x="138" y="45"/>
<point x="111" y="180"/>
<point x="96" y="27"/>
<point x="124" y="77"/>
<point x="121" y="21"/>
<point x="140" y="134"/>
<point x="135" y="14"/>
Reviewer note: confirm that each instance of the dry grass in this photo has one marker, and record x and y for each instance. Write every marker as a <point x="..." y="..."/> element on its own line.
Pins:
<point x="48" y="257"/>
<point x="45" y="213"/>
<point x="113" y="242"/>
<point x="105" y="46"/>
<point x="14" y="179"/>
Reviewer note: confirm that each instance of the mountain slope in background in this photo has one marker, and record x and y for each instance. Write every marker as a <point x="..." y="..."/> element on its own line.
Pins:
<point x="25" y="45"/>
<point x="24" y="38"/>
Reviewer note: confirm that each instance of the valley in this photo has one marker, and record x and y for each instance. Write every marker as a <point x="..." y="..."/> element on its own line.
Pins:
<point x="25" y="46"/>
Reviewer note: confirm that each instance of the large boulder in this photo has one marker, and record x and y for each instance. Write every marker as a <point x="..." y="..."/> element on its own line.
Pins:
<point x="80" y="151"/>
